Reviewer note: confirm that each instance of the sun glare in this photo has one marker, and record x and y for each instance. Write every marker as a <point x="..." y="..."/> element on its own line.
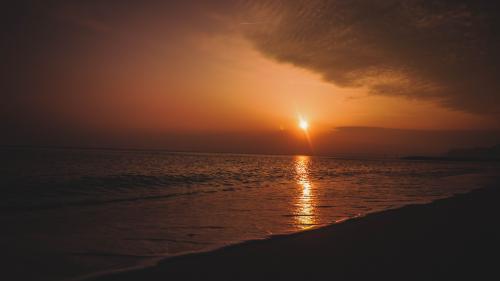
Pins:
<point x="303" y="124"/>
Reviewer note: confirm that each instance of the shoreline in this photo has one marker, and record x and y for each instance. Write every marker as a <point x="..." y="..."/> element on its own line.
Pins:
<point x="49" y="261"/>
<point x="273" y="257"/>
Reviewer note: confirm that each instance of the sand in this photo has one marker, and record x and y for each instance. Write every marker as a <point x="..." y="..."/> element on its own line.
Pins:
<point x="451" y="239"/>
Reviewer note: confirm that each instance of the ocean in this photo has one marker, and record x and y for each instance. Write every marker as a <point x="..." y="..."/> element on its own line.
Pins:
<point x="72" y="213"/>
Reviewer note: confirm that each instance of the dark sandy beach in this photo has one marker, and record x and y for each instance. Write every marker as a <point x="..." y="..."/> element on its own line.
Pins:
<point x="450" y="239"/>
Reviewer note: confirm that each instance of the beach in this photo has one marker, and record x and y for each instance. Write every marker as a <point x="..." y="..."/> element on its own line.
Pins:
<point x="249" y="140"/>
<point x="450" y="239"/>
<point x="120" y="211"/>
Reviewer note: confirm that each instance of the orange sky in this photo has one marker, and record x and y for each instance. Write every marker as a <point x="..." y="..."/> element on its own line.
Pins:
<point x="222" y="83"/>
<point x="195" y="69"/>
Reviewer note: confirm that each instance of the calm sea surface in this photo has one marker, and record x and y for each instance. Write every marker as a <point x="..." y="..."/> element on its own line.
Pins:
<point x="89" y="211"/>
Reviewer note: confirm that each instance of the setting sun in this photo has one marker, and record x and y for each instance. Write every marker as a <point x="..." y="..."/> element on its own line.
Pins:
<point x="303" y="124"/>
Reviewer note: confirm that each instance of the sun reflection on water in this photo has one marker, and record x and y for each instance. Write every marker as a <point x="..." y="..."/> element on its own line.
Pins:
<point x="304" y="212"/>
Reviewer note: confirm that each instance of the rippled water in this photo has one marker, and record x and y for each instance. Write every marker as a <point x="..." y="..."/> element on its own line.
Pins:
<point x="95" y="210"/>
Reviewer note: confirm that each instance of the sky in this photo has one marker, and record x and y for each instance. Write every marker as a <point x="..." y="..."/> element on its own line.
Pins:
<point x="369" y="76"/>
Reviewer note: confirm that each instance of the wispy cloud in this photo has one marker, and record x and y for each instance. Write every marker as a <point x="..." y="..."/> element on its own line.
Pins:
<point x="446" y="51"/>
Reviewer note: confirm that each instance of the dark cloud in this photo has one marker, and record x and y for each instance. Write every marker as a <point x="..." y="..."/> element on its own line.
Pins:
<point x="447" y="51"/>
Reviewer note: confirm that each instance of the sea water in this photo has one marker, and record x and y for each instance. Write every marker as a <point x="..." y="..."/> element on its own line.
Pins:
<point x="71" y="212"/>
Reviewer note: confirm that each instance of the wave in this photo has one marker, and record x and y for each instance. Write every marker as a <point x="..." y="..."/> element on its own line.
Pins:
<point x="94" y="202"/>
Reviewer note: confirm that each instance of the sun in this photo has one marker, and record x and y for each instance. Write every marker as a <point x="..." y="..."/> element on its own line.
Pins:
<point x="303" y="124"/>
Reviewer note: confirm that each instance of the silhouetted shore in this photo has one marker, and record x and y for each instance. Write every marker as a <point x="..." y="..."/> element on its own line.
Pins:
<point x="450" y="239"/>
<point x="431" y="158"/>
<point x="480" y="154"/>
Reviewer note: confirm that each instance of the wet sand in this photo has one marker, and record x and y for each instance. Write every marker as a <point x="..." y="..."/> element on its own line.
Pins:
<point x="451" y="239"/>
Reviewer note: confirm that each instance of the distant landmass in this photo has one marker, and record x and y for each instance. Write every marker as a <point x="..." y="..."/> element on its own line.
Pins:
<point x="465" y="154"/>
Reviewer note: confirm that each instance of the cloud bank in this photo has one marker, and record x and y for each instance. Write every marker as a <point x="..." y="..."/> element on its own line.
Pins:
<point x="446" y="51"/>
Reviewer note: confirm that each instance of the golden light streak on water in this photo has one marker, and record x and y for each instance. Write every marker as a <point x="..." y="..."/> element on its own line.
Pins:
<point x="305" y="211"/>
